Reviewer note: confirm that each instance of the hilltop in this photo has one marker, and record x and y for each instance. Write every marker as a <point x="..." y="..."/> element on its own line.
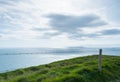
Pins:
<point x="80" y="69"/>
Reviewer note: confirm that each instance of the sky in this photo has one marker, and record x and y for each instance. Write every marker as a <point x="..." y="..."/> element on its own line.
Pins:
<point x="59" y="23"/>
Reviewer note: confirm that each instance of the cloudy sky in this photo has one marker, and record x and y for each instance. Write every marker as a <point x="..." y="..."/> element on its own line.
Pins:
<point x="59" y="23"/>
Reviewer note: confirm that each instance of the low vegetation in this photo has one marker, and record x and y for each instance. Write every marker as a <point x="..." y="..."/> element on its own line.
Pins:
<point x="81" y="69"/>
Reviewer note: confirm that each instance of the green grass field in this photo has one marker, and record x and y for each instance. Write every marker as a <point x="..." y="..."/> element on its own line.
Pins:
<point x="81" y="69"/>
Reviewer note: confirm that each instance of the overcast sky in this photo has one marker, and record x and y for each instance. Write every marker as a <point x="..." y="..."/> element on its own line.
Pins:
<point x="59" y="23"/>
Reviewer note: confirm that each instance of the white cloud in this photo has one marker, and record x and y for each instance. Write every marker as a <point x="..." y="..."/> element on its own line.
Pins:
<point x="22" y="16"/>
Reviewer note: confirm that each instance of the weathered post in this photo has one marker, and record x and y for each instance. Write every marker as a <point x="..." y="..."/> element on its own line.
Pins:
<point x="100" y="60"/>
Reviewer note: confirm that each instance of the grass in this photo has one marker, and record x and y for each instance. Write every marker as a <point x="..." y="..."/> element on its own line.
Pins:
<point x="81" y="69"/>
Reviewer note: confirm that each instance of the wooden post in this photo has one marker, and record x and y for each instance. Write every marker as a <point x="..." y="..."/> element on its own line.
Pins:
<point x="100" y="60"/>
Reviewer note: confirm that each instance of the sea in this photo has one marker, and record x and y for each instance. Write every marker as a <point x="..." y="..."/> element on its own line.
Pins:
<point x="16" y="58"/>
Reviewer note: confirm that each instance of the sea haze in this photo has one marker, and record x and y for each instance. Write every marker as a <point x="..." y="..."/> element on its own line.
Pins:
<point x="14" y="58"/>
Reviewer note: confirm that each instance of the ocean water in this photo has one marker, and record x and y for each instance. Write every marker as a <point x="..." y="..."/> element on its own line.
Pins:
<point x="15" y="58"/>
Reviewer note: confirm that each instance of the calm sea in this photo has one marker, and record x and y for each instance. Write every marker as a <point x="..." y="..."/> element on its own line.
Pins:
<point x="15" y="58"/>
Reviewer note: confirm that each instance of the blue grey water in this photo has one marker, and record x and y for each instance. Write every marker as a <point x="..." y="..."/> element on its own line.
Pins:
<point x="15" y="58"/>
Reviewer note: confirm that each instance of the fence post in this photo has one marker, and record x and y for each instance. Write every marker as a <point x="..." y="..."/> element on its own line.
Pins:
<point x="100" y="60"/>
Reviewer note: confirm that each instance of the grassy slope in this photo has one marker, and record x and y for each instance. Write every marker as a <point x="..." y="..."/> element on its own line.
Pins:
<point x="81" y="69"/>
